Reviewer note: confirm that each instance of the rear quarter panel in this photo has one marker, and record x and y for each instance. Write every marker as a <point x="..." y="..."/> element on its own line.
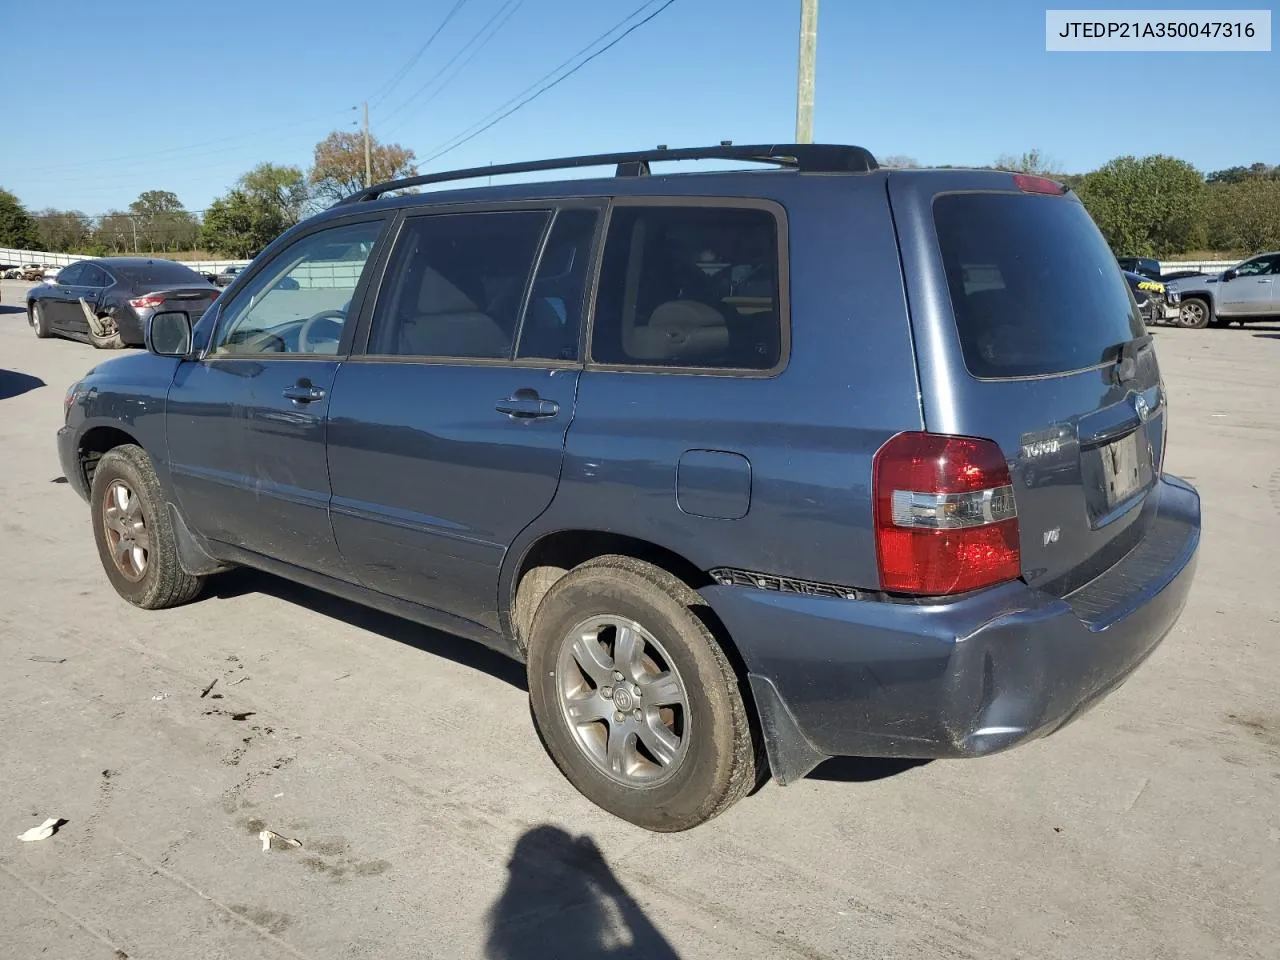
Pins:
<point x="809" y="433"/>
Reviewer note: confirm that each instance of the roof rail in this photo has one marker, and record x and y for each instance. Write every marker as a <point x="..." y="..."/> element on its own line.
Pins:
<point x="804" y="157"/>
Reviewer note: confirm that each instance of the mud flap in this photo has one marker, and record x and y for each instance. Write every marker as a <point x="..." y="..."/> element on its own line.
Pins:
<point x="791" y="755"/>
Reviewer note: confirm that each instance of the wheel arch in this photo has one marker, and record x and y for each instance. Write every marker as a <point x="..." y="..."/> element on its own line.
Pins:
<point x="94" y="443"/>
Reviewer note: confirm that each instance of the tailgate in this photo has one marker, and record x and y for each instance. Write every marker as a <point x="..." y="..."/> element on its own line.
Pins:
<point x="1027" y="334"/>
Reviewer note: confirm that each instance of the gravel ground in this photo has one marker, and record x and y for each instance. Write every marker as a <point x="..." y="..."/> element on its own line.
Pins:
<point x="432" y="824"/>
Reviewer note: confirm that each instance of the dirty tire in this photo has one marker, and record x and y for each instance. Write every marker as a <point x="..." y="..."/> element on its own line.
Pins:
<point x="164" y="583"/>
<point x="114" y="342"/>
<point x="40" y="323"/>
<point x="1195" y="313"/>
<point x="721" y="760"/>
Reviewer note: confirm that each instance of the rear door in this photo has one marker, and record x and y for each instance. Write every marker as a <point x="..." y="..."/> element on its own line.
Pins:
<point x="1027" y="334"/>
<point x="446" y="439"/>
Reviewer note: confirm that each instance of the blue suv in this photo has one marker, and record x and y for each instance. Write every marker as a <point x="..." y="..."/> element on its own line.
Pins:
<point x="752" y="468"/>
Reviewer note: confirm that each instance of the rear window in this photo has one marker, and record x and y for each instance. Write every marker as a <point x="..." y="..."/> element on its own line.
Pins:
<point x="160" y="272"/>
<point x="1034" y="287"/>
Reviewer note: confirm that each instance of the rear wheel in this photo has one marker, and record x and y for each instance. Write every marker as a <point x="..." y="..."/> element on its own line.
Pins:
<point x="135" y="537"/>
<point x="634" y="698"/>
<point x="1195" y="313"/>
<point x="40" y="323"/>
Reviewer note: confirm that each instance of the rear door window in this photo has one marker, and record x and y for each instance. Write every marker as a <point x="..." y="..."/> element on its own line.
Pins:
<point x="1034" y="288"/>
<point x="690" y="286"/>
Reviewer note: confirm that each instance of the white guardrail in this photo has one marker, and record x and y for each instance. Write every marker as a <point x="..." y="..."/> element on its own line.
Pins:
<point x="343" y="274"/>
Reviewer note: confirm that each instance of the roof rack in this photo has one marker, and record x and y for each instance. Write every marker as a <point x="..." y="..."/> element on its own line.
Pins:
<point x="804" y="157"/>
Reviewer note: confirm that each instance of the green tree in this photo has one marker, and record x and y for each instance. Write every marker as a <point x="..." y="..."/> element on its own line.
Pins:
<point x="17" y="229"/>
<point x="283" y="187"/>
<point x="117" y="232"/>
<point x="338" y="170"/>
<point x="1244" y="217"/>
<point x="62" y="231"/>
<point x="899" y="161"/>
<point x="162" y="222"/>
<point x="1148" y="206"/>
<point x="240" y="225"/>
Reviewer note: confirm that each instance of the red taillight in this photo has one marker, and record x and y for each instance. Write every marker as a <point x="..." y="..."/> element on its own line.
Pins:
<point x="1029" y="183"/>
<point x="214" y="294"/>
<point x="150" y="300"/>
<point x="946" y="521"/>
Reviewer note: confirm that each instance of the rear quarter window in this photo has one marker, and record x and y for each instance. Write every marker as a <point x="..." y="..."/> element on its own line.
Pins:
<point x="1034" y="288"/>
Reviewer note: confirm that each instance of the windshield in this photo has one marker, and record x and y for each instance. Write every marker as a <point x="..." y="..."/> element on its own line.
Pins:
<point x="1034" y="287"/>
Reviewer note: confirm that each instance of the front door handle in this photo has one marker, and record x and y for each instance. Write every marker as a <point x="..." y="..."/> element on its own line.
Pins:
<point x="527" y="405"/>
<point x="303" y="392"/>
<point x="1267" y="280"/>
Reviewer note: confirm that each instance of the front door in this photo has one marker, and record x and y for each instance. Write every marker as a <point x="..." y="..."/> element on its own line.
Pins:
<point x="446" y="438"/>
<point x="61" y="309"/>
<point x="246" y="422"/>
<point x="1251" y="292"/>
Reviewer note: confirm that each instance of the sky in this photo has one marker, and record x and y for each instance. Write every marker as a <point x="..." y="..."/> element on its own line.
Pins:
<point x="136" y="96"/>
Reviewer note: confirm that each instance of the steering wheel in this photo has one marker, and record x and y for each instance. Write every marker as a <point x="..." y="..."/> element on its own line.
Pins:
<point x="336" y="317"/>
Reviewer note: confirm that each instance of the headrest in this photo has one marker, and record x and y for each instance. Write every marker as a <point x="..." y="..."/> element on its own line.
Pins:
<point x="438" y="295"/>
<point x="685" y="315"/>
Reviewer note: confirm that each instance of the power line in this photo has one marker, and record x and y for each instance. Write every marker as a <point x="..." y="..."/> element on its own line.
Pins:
<point x="450" y="145"/>
<point x="511" y="6"/>
<point x="385" y="90"/>
<point x="97" y="163"/>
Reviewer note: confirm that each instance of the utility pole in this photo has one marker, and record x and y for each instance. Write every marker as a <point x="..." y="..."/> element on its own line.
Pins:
<point x="808" y="60"/>
<point x="368" y="161"/>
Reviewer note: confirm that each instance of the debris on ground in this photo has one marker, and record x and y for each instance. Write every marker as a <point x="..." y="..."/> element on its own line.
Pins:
<point x="161" y="696"/>
<point x="266" y="836"/>
<point x="42" y="832"/>
<point x="205" y="692"/>
<point x="47" y="659"/>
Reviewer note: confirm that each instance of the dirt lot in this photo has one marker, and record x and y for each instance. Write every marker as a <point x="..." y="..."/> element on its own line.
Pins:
<point x="434" y="826"/>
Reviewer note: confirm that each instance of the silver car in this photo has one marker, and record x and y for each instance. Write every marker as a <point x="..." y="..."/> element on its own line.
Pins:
<point x="1243" y="293"/>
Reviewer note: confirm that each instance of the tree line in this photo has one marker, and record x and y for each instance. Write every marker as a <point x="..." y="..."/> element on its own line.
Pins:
<point x="257" y="208"/>
<point x="1154" y="206"/>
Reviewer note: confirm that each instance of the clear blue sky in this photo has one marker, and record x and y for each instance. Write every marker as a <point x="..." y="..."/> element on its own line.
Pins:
<point x="186" y="97"/>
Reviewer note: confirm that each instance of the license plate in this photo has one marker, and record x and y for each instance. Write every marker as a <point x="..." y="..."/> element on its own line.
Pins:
<point x="1122" y="468"/>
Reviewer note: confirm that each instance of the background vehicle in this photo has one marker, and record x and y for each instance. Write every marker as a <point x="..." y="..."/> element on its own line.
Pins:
<point x="861" y="463"/>
<point x="121" y="293"/>
<point x="1244" y="293"/>
<point x="1150" y="296"/>
<point x="33" y="271"/>
<point x="224" y="277"/>
<point x="1143" y="266"/>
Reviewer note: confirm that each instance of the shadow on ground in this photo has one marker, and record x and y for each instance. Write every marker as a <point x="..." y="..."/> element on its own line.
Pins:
<point x="239" y="582"/>
<point x="563" y="901"/>
<point x="1267" y="336"/>
<point x="15" y="384"/>
<point x="11" y="308"/>
<point x="861" y="769"/>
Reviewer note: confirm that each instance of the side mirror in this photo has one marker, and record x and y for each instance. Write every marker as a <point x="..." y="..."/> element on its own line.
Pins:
<point x="169" y="334"/>
<point x="1229" y="275"/>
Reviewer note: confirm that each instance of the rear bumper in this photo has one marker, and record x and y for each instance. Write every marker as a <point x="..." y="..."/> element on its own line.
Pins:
<point x="967" y="678"/>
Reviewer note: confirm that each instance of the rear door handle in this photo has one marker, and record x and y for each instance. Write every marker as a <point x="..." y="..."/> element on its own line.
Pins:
<point x="527" y="406"/>
<point x="1267" y="280"/>
<point x="303" y="392"/>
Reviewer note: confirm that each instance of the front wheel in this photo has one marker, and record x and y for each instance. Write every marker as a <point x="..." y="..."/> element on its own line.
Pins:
<point x="135" y="537"/>
<point x="1195" y="314"/>
<point x="634" y="698"/>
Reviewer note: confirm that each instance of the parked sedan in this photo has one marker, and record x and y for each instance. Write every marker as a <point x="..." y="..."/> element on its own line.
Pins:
<point x="1244" y="293"/>
<point x="224" y="277"/>
<point x="107" y="302"/>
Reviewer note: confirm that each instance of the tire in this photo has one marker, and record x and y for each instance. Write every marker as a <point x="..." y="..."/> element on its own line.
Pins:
<point x="39" y="322"/>
<point x="114" y="341"/>
<point x="1195" y="313"/>
<point x="152" y="579"/>
<point x="714" y="760"/>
